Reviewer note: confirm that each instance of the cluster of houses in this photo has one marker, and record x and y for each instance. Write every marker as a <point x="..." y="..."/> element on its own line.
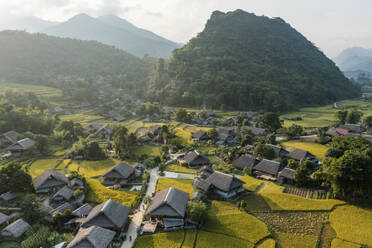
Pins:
<point x="15" y="143"/>
<point x="352" y="130"/>
<point x="123" y="175"/>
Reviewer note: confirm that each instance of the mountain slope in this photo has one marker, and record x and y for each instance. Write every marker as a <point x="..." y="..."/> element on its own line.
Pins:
<point x="113" y="32"/>
<point x="243" y="61"/>
<point x="38" y="58"/>
<point x="28" y="23"/>
<point x="355" y="59"/>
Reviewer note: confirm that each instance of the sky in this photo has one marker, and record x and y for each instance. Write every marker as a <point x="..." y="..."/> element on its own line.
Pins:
<point x="332" y="25"/>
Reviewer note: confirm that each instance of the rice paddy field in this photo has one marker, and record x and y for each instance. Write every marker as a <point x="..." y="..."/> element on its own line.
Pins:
<point x="169" y="240"/>
<point x="179" y="168"/>
<point x="293" y="240"/>
<point x="353" y="224"/>
<point x="43" y="92"/>
<point x="39" y="166"/>
<point x="317" y="150"/>
<point x="268" y="243"/>
<point x="185" y="185"/>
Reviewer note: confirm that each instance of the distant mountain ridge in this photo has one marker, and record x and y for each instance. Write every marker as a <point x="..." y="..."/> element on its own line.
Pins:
<point x="114" y="31"/>
<point x="355" y="59"/>
<point x="242" y="61"/>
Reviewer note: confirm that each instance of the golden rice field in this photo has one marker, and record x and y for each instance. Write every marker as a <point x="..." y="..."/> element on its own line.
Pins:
<point x="295" y="240"/>
<point x="353" y="224"/>
<point x="179" y="168"/>
<point x="268" y="243"/>
<point x="213" y="240"/>
<point x="185" y="185"/>
<point x="168" y="240"/>
<point x="338" y="243"/>
<point x="317" y="150"/>
<point x="39" y="166"/>
<point x="251" y="183"/>
<point x="92" y="168"/>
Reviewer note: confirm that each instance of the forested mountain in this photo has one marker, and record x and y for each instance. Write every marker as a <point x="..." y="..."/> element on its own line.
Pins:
<point x="114" y="31"/>
<point x="244" y="61"/>
<point x="39" y="58"/>
<point x="355" y="60"/>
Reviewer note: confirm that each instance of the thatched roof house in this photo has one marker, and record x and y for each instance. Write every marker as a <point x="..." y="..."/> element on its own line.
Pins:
<point x="256" y="130"/>
<point x="21" y="145"/>
<point x="15" y="230"/>
<point x="245" y="161"/>
<point x="119" y="174"/>
<point x="224" y="184"/>
<point x="10" y="137"/>
<point x="64" y="194"/>
<point x="195" y="159"/>
<point x="168" y="203"/>
<point x="278" y="151"/>
<point x="92" y="237"/>
<point x="199" y="135"/>
<point x="286" y="175"/>
<point x="7" y="197"/>
<point x="49" y="180"/>
<point x="109" y="214"/>
<point x="83" y="211"/>
<point x="268" y="169"/>
<point x="299" y="155"/>
<point x="3" y="218"/>
<point x="62" y="208"/>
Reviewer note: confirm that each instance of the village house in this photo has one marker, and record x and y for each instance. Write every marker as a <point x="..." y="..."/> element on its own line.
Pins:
<point x="92" y="237"/>
<point x="21" y="146"/>
<point x="353" y="128"/>
<point x="168" y="208"/>
<point x="199" y="136"/>
<point x="4" y="219"/>
<point x="286" y="176"/>
<point x="10" y="137"/>
<point x="155" y="130"/>
<point x="278" y="151"/>
<point x="245" y="161"/>
<point x="60" y="209"/>
<point x="83" y="211"/>
<point x="299" y="155"/>
<point x="120" y="174"/>
<point x="49" y="181"/>
<point x="110" y="214"/>
<point x="226" y="135"/>
<point x="15" y="230"/>
<point x="267" y="169"/>
<point x="204" y="172"/>
<point x="194" y="159"/>
<point x="256" y="131"/>
<point x="76" y="183"/>
<point x="139" y="169"/>
<point x="7" y="198"/>
<point x="104" y="131"/>
<point x="225" y="185"/>
<point x="63" y="195"/>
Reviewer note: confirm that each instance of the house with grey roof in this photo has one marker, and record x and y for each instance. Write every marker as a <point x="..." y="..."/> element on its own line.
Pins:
<point x="299" y="155"/>
<point x="4" y="219"/>
<point x="278" y="151"/>
<point x="194" y="159"/>
<point x="15" y="230"/>
<point x="50" y="180"/>
<point x="226" y="135"/>
<point x="267" y="169"/>
<point x="21" y="146"/>
<point x="60" y="209"/>
<point x="64" y="194"/>
<point x="256" y="130"/>
<point x="154" y="130"/>
<point x="245" y="161"/>
<point x="110" y="214"/>
<point x="286" y="176"/>
<point x="199" y="135"/>
<point x="92" y="237"/>
<point x="204" y="171"/>
<point x="10" y="137"/>
<point x="120" y="174"/>
<point x="353" y="128"/>
<point x="105" y="131"/>
<point x="83" y="211"/>
<point x="169" y="203"/>
<point x="7" y="197"/>
<point x="225" y="185"/>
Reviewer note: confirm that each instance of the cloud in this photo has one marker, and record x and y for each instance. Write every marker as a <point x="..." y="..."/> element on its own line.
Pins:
<point x="154" y="14"/>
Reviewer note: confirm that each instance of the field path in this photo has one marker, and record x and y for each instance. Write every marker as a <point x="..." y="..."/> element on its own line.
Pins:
<point x="137" y="218"/>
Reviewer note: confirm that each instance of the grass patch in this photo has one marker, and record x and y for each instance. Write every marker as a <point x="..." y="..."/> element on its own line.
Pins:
<point x="316" y="149"/>
<point x="295" y="240"/>
<point x="352" y="223"/>
<point x="189" y="239"/>
<point x="179" y="168"/>
<point x="9" y="244"/>
<point x="39" y="166"/>
<point x="338" y="243"/>
<point x="99" y="193"/>
<point x="277" y="200"/>
<point x="92" y="168"/>
<point x="255" y="203"/>
<point x="225" y="218"/>
<point x="185" y="185"/>
<point x="147" y="150"/>
<point x="251" y="183"/>
<point x="268" y="243"/>
<point x="212" y="240"/>
<point x="169" y="240"/>
<point x="328" y="234"/>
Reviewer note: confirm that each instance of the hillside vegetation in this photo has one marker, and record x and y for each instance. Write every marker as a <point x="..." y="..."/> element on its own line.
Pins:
<point x="42" y="59"/>
<point x="244" y="61"/>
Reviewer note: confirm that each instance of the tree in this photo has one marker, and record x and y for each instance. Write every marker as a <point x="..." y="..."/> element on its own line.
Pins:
<point x="120" y="141"/>
<point x="183" y="116"/>
<point x="196" y="210"/>
<point x="30" y="206"/>
<point x="367" y="122"/>
<point x="264" y="151"/>
<point x="353" y="116"/>
<point x="247" y="139"/>
<point x="271" y="139"/>
<point x="14" y="179"/>
<point x="42" y="144"/>
<point x="294" y="131"/>
<point x="269" y="121"/>
<point x="213" y="134"/>
<point x="303" y="173"/>
<point x="341" y="116"/>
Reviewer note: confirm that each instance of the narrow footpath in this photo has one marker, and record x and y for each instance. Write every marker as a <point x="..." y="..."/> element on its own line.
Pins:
<point x="137" y="217"/>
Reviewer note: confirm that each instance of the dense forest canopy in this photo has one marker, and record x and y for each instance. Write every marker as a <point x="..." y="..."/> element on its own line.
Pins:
<point x="42" y="59"/>
<point x="244" y="61"/>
